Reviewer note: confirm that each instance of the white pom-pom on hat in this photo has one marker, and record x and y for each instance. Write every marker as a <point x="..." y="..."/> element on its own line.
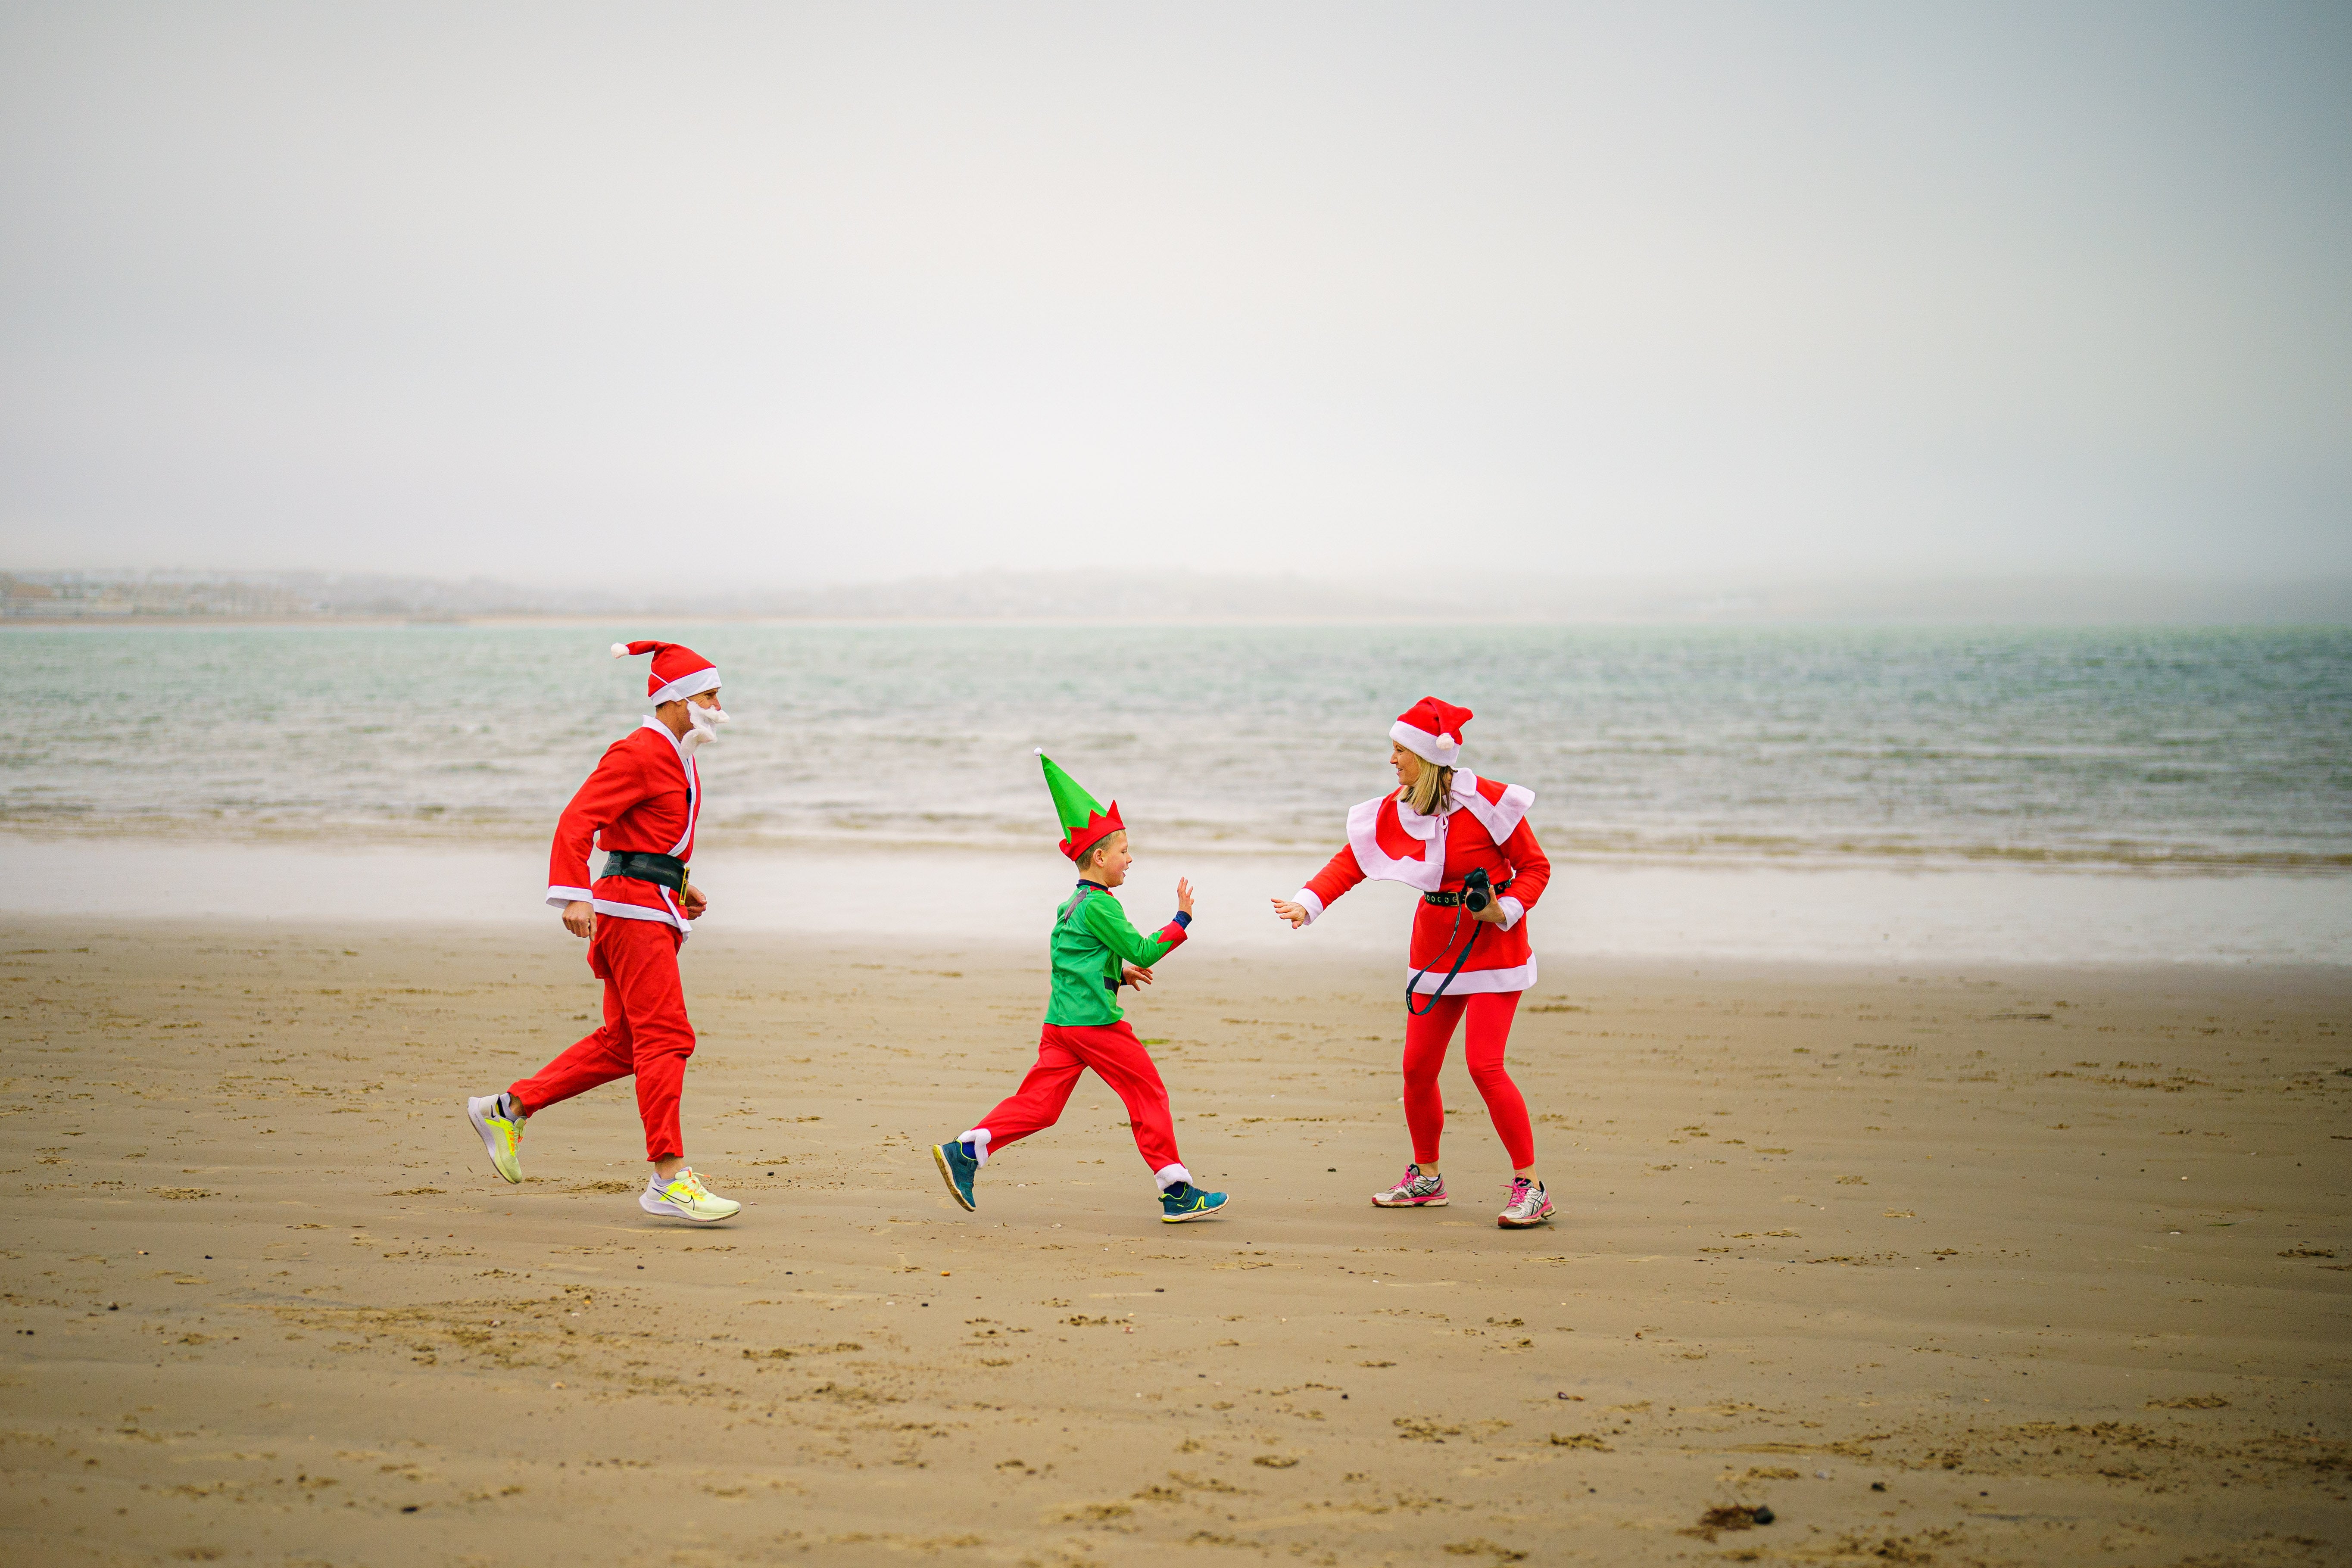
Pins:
<point x="620" y="650"/>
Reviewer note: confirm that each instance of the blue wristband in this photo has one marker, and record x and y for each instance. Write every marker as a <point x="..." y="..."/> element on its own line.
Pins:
<point x="1182" y="919"/>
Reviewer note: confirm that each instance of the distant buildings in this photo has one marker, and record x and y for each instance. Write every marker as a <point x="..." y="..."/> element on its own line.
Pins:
<point x="76" y="596"/>
<point x="1177" y="596"/>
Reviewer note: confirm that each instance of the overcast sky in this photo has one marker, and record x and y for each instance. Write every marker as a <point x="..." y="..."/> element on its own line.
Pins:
<point x="772" y="294"/>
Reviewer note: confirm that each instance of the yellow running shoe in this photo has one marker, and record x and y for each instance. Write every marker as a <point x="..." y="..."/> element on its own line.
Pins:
<point x="501" y="1130"/>
<point x="684" y="1196"/>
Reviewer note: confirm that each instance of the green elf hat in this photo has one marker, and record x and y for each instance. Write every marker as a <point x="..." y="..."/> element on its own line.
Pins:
<point x="1085" y="822"/>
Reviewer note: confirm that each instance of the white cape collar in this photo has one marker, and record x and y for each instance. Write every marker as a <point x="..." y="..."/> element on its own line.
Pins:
<point x="1465" y="791"/>
<point x="1426" y="870"/>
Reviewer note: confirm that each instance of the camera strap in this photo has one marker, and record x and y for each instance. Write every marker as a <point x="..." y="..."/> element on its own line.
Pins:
<point x="1460" y="959"/>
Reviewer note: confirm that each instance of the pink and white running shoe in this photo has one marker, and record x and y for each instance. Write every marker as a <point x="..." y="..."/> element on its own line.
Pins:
<point x="1415" y="1192"/>
<point x="1529" y="1205"/>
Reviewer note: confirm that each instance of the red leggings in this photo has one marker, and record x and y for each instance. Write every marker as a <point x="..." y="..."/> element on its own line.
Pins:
<point x="644" y="1033"/>
<point x="1067" y="1050"/>
<point x="1427" y="1035"/>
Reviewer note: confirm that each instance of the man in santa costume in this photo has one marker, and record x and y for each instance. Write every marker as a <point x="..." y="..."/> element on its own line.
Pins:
<point x="639" y="807"/>
<point x="1463" y="843"/>
<point x="1095" y="951"/>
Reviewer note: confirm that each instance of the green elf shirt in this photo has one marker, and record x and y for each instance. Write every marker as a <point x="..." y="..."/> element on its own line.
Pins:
<point x="1092" y="936"/>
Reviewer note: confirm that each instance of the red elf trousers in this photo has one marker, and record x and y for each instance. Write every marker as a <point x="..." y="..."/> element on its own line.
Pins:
<point x="1118" y="1059"/>
<point x="645" y="1032"/>
<point x="1427" y="1036"/>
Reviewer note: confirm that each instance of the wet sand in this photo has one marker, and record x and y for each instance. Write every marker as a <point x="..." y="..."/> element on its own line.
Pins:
<point x="1757" y="912"/>
<point x="2025" y="1266"/>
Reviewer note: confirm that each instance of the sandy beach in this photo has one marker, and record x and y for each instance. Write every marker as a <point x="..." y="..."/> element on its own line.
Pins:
<point x="2033" y="1266"/>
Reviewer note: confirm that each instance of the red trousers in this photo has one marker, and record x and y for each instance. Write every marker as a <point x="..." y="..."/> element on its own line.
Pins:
<point x="644" y="1033"/>
<point x="1427" y="1036"/>
<point x="1118" y="1059"/>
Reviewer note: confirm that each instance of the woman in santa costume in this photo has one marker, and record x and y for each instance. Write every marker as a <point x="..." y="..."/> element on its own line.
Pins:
<point x="639" y="807"/>
<point x="1463" y="843"/>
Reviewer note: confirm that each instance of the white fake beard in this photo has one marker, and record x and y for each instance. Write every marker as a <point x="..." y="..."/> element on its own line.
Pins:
<point x="705" y="722"/>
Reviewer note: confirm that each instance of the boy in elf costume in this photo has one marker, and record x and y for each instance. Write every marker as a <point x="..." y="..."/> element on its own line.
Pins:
<point x="1095" y="951"/>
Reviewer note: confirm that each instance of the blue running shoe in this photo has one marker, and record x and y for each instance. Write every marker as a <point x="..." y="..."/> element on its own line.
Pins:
<point x="957" y="1168"/>
<point x="1185" y="1202"/>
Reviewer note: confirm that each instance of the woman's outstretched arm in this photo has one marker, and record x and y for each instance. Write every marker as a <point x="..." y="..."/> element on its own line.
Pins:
<point x="1339" y="874"/>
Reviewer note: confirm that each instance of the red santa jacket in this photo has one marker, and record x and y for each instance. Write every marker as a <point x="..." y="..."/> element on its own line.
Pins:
<point x="643" y="797"/>
<point x="1485" y="825"/>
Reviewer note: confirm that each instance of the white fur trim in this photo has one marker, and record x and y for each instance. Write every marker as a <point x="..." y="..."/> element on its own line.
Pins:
<point x="1513" y="910"/>
<point x="693" y="782"/>
<point x="620" y="650"/>
<point x="1169" y="1175"/>
<point x="1501" y="817"/>
<point x="1363" y="837"/>
<point x="703" y="680"/>
<point x="977" y="1139"/>
<point x="1475" y="982"/>
<point x="1311" y="904"/>
<point x="558" y="897"/>
<point x="640" y="912"/>
<point x="1442" y="750"/>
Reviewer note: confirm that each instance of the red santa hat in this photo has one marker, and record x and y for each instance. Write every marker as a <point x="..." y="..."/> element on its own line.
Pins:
<point x="679" y="671"/>
<point x="1431" y="731"/>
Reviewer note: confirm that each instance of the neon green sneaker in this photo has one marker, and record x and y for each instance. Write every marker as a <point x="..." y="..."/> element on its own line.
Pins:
<point x="500" y="1124"/>
<point x="684" y="1196"/>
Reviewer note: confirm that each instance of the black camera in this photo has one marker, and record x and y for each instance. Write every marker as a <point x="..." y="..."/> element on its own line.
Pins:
<point x="1477" y="892"/>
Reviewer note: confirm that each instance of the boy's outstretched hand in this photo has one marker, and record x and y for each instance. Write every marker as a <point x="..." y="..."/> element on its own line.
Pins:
<point x="1295" y="913"/>
<point x="1183" y="896"/>
<point x="1134" y="974"/>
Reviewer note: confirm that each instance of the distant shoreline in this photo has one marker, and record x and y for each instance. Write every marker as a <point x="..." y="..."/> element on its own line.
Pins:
<point x="1581" y="623"/>
<point x="1182" y="596"/>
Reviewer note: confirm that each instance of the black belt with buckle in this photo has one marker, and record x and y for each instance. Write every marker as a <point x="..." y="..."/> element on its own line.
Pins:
<point x="1447" y="900"/>
<point x="662" y="870"/>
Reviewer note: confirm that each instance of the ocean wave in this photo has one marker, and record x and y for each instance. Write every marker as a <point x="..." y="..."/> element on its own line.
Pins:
<point x="2191" y="752"/>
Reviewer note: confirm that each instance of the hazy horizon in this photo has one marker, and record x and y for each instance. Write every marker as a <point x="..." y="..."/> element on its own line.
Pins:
<point x="1184" y="595"/>
<point x="758" y="298"/>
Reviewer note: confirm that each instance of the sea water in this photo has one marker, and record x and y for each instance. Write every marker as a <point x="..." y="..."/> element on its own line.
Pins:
<point x="2180" y="748"/>
<point x="2134" y="757"/>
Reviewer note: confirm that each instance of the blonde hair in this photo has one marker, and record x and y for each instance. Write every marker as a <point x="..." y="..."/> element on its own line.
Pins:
<point x="1428" y="793"/>
<point x="1095" y="851"/>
